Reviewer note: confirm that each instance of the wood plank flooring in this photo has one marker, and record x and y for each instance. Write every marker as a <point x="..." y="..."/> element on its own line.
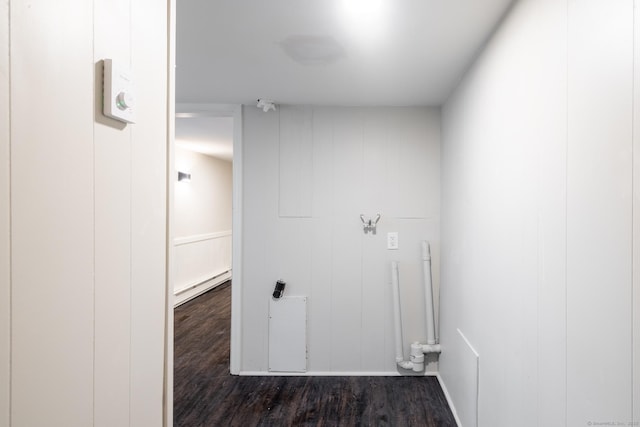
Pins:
<point x="205" y="394"/>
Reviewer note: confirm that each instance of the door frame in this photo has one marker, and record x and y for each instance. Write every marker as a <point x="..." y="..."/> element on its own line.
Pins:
<point x="206" y="110"/>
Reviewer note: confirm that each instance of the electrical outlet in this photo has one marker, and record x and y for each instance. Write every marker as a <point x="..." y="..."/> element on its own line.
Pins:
<point x="392" y="240"/>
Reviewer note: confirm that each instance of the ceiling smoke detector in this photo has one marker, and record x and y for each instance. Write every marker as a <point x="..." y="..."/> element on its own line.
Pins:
<point x="266" y="105"/>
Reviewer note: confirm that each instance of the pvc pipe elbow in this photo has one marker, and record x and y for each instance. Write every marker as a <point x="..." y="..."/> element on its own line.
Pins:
<point x="405" y="364"/>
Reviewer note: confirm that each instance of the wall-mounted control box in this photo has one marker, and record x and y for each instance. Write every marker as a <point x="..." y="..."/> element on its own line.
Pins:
<point x="118" y="97"/>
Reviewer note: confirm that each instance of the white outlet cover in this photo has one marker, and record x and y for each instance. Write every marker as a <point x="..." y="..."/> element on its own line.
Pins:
<point x="118" y="93"/>
<point x="392" y="240"/>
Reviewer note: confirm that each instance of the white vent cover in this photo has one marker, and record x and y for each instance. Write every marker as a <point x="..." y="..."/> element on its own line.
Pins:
<point x="288" y="334"/>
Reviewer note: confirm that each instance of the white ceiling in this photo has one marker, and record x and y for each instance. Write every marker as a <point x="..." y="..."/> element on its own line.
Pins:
<point x="212" y="136"/>
<point x="321" y="52"/>
<point x="315" y="52"/>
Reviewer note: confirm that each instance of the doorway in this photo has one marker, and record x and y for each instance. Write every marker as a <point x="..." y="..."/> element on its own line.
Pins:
<point x="185" y="288"/>
<point x="202" y="205"/>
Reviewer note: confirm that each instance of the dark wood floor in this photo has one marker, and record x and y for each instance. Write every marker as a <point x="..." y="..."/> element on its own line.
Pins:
<point x="206" y="395"/>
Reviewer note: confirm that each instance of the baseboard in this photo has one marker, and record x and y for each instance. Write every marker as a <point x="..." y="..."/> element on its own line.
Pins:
<point x="220" y="276"/>
<point x="189" y="294"/>
<point x="329" y="374"/>
<point x="443" y="386"/>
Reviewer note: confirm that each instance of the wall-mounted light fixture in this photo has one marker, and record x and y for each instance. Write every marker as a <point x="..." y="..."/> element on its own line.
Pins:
<point x="184" y="177"/>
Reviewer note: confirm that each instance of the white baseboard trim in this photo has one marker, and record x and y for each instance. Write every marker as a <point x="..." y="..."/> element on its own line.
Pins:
<point x="449" y="401"/>
<point x="330" y="374"/>
<point x="188" y="294"/>
<point x="222" y="275"/>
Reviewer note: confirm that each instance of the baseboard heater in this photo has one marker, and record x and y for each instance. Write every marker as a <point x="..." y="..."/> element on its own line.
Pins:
<point x="180" y="299"/>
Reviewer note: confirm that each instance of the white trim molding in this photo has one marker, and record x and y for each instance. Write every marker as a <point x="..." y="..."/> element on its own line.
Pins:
<point x="188" y="293"/>
<point x="179" y="241"/>
<point x="448" y="397"/>
<point x="236" y="283"/>
<point x="334" y="374"/>
<point x="202" y="281"/>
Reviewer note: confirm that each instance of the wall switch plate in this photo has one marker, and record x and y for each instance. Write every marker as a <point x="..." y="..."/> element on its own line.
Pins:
<point x="118" y="100"/>
<point x="392" y="240"/>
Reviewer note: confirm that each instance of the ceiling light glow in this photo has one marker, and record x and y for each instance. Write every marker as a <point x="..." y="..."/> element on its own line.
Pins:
<point x="363" y="18"/>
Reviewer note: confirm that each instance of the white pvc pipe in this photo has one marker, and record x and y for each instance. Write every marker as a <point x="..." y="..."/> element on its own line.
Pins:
<point x="417" y="357"/>
<point x="431" y="348"/>
<point x="397" y="318"/>
<point x="428" y="293"/>
<point x="418" y="350"/>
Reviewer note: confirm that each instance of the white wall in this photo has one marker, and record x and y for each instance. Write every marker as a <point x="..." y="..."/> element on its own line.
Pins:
<point x="537" y="220"/>
<point x="635" y="302"/>
<point x="88" y="216"/>
<point x="308" y="175"/>
<point x="599" y="210"/>
<point x="202" y="205"/>
<point x="5" y="214"/>
<point x="202" y="222"/>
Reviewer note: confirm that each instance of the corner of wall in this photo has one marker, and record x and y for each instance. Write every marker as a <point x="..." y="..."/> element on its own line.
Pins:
<point x="447" y="396"/>
<point x="5" y="215"/>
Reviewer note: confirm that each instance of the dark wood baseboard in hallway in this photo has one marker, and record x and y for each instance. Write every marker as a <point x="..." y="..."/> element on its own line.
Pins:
<point x="205" y="394"/>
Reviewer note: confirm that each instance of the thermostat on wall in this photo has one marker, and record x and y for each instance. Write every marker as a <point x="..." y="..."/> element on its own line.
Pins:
<point x="118" y="99"/>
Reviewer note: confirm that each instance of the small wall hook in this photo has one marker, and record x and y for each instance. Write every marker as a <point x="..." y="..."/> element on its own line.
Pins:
<point x="369" y="225"/>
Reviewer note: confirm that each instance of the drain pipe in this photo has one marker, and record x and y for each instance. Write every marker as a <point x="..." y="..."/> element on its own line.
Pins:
<point x="428" y="292"/>
<point x="416" y="362"/>
<point x="397" y="318"/>
<point x="430" y="346"/>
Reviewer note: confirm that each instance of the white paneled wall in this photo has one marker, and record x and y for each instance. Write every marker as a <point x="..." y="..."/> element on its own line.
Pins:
<point x="199" y="258"/>
<point x="309" y="174"/>
<point x="5" y="214"/>
<point x="635" y="302"/>
<point x="296" y="162"/>
<point x="112" y="188"/>
<point x="52" y="208"/>
<point x="202" y="224"/>
<point x="599" y="210"/>
<point x="201" y="262"/>
<point x="149" y="25"/>
<point x="537" y="218"/>
<point x="88" y="216"/>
